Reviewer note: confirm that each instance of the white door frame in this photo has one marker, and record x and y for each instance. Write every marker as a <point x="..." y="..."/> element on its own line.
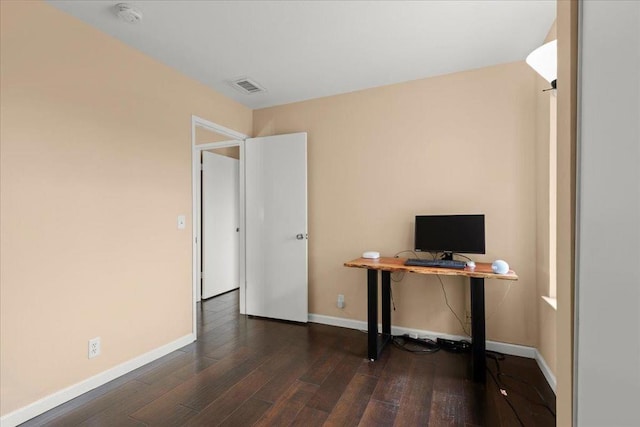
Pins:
<point x="236" y="139"/>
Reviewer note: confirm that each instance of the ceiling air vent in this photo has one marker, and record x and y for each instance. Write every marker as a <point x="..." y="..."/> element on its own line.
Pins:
<point x="247" y="86"/>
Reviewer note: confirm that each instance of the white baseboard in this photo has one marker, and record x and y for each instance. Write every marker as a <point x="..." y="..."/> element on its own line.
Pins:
<point x="43" y="405"/>
<point x="511" y="349"/>
<point x="49" y="402"/>
<point x="501" y="347"/>
<point x="546" y="371"/>
<point x="338" y="321"/>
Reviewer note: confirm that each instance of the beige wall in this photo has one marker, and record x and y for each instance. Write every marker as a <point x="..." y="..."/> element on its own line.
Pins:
<point x="95" y="167"/>
<point x="545" y="129"/>
<point x="460" y="143"/>
<point x="567" y="23"/>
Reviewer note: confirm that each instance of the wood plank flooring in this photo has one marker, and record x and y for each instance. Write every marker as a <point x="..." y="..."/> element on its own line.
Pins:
<point x="246" y="371"/>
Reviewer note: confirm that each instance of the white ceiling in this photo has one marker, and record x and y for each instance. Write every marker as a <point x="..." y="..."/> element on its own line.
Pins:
<point x="302" y="50"/>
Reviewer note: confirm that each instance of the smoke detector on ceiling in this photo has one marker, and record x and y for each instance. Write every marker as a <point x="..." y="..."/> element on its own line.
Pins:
<point x="127" y="13"/>
<point x="247" y="86"/>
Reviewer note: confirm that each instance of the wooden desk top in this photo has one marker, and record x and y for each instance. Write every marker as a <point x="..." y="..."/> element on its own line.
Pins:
<point x="482" y="270"/>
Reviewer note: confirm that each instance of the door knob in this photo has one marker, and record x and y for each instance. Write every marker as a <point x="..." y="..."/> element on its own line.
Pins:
<point x="300" y="236"/>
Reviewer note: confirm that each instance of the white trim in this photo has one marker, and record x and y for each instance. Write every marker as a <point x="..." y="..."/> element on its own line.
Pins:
<point x="512" y="349"/>
<point x="553" y="302"/>
<point x="237" y="139"/>
<point x="195" y="227"/>
<point x="577" y="221"/>
<point x="546" y="371"/>
<point x="338" y="321"/>
<point x="58" y="398"/>
<point x="501" y="347"/>
<point x="213" y="145"/>
<point x="243" y="236"/>
<point x="214" y="127"/>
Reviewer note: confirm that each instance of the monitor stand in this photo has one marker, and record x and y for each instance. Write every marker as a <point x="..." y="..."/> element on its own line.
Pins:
<point x="447" y="256"/>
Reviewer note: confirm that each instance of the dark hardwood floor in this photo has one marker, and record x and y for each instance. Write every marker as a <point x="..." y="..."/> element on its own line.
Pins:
<point x="247" y="371"/>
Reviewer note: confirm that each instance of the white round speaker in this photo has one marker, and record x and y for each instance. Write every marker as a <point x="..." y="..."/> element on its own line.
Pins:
<point x="371" y="255"/>
<point x="500" y="267"/>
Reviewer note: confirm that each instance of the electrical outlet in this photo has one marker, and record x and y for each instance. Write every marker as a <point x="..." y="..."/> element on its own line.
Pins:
<point x="94" y="347"/>
<point x="340" y="301"/>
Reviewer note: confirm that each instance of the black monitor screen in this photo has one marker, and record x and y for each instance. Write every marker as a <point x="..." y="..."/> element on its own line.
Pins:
<point x="450" y="233"/>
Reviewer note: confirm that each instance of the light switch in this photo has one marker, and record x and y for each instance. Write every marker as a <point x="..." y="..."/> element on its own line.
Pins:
<point x="182" y="222"/>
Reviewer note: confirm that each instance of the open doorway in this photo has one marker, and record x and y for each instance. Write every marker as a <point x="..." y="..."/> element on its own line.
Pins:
<point x="218" y="213"/>
<point x="272" y="225"/>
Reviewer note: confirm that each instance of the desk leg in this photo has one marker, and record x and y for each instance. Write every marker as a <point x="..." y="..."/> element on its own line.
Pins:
<point x="372" y="314"/>
<point x="478" y="336"/>
<point x="386" y="304"/>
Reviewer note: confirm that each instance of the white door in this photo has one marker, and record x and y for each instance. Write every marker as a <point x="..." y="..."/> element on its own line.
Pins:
<point x="276" y="227"/>
<point x="220" y="222"/>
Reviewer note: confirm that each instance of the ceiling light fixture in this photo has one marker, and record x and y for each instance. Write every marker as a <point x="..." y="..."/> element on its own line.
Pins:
<point x="544" y="60"/>
<point x="127" y="13"/>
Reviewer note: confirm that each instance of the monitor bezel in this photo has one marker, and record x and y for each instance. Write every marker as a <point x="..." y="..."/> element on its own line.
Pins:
<point x="467" y="250"/>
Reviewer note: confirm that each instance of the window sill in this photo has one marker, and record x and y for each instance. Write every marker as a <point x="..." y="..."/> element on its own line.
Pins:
<point x="553" y="302"/>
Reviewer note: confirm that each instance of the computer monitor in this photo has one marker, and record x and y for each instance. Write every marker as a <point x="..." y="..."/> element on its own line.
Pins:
<point x="449" y="234"/>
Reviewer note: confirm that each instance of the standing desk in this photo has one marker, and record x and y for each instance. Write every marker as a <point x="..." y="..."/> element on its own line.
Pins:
<point x="376" y="343"/>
